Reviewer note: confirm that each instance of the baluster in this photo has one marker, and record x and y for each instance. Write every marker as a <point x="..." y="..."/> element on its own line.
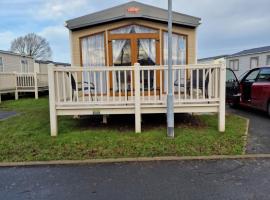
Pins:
<point x="155" y="84"/>
<point x="82" y="84"/>
<point x="101" y="85"/>
<point x="191" y="85"/>
<point x="125" y="84"/>
<point x="131" y="83"/>
<point x="203" y="83"/>
<point x="95" y="83"/>
<point x="113" y="76"/>
<point x="76" y="83"/>
<point x="210" y="83"/>
<point x="179" y="85"/>
<point x="108" y="85"/>
<point x="148" y="84"/>
<point x="88" y="73"/>
<point x="216" y="83"/>
<point x="185" y="84"/>
<point x="119" y="85"/>
<point x="197" y="82"/>
<point x="142" y="70"/>
<point x="64" y="86"/>
<point x="57" y="86"/>
<point x="161" y="83"/>
<point x="71" y="90"/>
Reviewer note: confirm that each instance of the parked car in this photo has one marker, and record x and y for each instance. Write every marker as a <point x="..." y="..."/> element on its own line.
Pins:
<point x="253" y="90"/>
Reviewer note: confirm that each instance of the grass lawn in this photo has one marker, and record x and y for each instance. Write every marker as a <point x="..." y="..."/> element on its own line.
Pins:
<point x="26" y="137"/>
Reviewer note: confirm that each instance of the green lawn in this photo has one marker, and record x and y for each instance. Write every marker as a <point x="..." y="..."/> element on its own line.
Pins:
<point x="26" y="137"/>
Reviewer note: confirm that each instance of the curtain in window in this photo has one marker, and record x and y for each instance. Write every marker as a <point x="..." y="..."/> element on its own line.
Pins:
<point x="133" y="29"/>
<point x="178" y="54"/>
<point x="118" y="45"/>
<point x="93" y="55"/>
<point x="148" y="45"/>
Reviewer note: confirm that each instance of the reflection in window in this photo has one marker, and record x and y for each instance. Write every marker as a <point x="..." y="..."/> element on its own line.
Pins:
<point x="264" y="75"/>
<point x="121" y="50"/>
<point x="252" y="76"/>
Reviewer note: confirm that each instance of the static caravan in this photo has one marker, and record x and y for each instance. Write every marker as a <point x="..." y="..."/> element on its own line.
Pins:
<point x="119" y="66"/>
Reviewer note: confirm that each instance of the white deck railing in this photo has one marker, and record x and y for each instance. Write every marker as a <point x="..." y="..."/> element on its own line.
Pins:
<point x="23" y="82"/>
<point x="138" y="89"/>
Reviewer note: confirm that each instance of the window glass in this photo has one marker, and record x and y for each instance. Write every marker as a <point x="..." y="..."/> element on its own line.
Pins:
<point x="24" y="64"/>
<point x="264" y="75"/>
<point x="231" y="64"/>
<point x="179" y="49"/>
<point x="1" y="65"/>
<point x="268" y="60"/>
<point x="93" y="55"/>
<point x="230" y="77"/>
<point x="254" y="62"/>
<point x="252" y="76"/>
<point x="234" y="65"/>
<point x="93" y="51"/>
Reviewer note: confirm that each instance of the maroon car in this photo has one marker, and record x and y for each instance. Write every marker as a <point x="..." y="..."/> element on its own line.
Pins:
<point x="253" y="90"/>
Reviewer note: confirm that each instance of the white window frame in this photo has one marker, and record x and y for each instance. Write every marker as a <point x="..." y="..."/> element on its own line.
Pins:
<point x="253" y="58"/>
<point x="267" y="60"/>
<point x="234" y="64"/>
<point x="2" y="68"/>
<point x="25" y="64"/>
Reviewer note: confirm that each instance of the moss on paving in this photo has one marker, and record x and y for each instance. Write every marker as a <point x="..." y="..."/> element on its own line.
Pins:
<point x="26" y="137"/>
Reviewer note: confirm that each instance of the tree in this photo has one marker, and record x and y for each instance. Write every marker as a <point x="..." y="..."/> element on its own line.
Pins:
<point x="32" y="45"/>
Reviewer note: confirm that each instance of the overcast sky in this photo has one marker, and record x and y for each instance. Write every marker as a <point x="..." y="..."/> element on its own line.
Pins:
<point x="227" y="26"/>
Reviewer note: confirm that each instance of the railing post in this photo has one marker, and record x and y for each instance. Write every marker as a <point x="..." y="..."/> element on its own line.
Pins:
<point x="16" y="86"/>
<point x="36" y="85"/>
<point x="137" y="98"/>
<point x="222" y="96"/>
<point x="53" y="115"/>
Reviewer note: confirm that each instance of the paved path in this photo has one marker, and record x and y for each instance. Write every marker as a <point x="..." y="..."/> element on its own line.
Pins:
<point x="7" y="114"/>
<point x="192" y="180"/>
<point x="259" y="130"/>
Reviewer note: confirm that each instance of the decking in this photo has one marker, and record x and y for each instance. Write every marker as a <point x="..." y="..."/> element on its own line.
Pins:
<point x="135" y="90"/>
<point x="23" y="82"/>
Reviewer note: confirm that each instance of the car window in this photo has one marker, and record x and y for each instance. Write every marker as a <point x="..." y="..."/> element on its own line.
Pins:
<point x="252" y="76"/>
<point x="264" y="75"/>
<point x="242" y="76"/>
<point x="230" y="77"/>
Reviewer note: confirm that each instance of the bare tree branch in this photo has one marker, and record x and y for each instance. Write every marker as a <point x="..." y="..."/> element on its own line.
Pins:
<point x="32" y="45"/>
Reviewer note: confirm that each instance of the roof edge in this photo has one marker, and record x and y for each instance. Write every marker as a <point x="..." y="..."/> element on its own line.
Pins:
<point x="197" y="20"/>
<point x="246" y="54"/>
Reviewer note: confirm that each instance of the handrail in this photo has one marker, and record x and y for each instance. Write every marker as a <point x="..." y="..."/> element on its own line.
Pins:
<point x="80" y="89"/>
<point x="22" y="82"/>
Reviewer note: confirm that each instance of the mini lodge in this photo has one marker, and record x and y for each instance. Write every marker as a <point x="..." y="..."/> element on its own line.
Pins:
<point x="119" y="66"/>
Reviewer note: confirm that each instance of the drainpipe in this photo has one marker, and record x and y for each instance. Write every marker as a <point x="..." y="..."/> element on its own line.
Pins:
<point x="170" y="111"/>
